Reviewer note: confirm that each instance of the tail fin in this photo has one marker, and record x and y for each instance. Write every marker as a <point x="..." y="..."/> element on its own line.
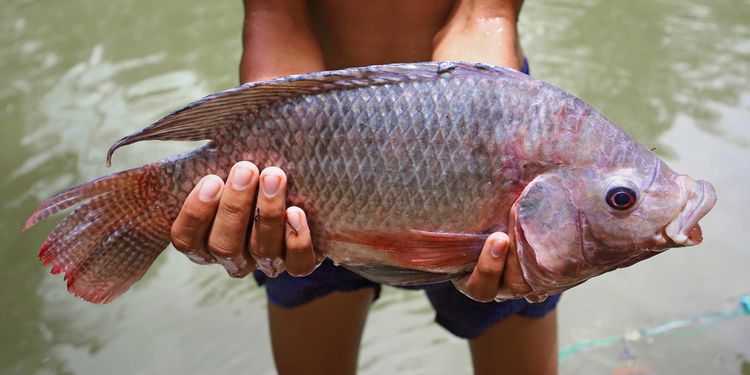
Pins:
<point x="113" y="237"/>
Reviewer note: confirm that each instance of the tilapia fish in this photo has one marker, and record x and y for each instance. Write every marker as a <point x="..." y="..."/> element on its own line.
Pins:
<point x="403" y="170"/>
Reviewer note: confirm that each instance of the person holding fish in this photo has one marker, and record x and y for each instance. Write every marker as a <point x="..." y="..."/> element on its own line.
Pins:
<point x="317" y="321"/>
<point x="405" y="170"/>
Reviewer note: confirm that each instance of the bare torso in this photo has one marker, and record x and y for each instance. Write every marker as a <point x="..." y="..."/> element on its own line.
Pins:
<point x="301" y="36"/>
<point x="380" y="33"/>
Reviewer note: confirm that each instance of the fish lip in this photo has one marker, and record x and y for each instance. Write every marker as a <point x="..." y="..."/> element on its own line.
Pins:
<point x="700" y="198"/>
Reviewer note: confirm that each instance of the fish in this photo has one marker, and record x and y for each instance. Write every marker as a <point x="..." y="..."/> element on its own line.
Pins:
<point x="403" y="170"/>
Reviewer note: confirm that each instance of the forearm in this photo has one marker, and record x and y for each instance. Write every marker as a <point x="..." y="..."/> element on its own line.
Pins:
<point x="278" y="40"/>
<point x="482" y="31"/>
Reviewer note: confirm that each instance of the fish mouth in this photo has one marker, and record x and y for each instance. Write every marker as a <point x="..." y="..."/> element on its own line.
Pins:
<point x="699" y="198"/>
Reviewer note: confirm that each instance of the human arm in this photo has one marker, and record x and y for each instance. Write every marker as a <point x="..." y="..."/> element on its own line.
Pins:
<point x="482" y="31"/>
<point x="278" y="40"/>
<point x="486" y="31"/>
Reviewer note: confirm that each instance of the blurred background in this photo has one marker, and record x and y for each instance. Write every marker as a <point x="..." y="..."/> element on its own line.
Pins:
<point x="78" y="75"/>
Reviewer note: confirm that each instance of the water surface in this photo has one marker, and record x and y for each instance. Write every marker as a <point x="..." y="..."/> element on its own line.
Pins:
<point x="77" y="76"/>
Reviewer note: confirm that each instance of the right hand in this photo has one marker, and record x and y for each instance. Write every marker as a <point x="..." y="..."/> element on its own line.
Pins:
<point x="498" y="274"/>
<point x="218" y="224"/>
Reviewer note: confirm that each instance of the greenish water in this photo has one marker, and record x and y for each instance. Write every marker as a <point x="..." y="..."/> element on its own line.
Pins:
<point x="78" y="75"/>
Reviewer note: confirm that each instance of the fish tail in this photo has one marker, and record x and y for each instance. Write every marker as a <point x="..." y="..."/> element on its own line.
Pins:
<point x="109" y="241"/>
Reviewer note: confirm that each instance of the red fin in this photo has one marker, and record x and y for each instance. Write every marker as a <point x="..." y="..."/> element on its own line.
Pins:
<point x="111" y="239"/>
<point x="415" y="249"/>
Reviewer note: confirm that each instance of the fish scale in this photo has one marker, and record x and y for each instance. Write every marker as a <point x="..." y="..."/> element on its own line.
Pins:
<point x="429" y="181"/>
<point x="403" y="171"/>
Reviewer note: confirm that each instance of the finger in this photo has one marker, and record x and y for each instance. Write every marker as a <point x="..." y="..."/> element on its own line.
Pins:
<point x="227" y="237"/>
<point x="190" y="229"/>
<point x="513" y="280"/>
<point x="268" y="226"/>
<point x="300" y="258"/>
<point x="484" y="282"/>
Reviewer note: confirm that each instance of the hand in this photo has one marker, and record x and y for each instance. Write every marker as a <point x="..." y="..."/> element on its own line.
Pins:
<point x="497" y="273"/>
<point x="217" y="224"/>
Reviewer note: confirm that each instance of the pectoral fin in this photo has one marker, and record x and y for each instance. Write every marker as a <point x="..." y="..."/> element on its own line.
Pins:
<point x="434" y="252"/>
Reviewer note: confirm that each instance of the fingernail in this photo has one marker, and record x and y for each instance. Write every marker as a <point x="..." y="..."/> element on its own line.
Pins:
<point x="241" y="177"/>
<point x="209" y="189"/>
<point x="294" y="219"/>
<point x="497" y="249"/>
<point x="271" y="185"/>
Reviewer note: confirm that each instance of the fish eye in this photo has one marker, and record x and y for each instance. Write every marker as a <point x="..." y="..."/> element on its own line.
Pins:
<point x="621" y="197"/>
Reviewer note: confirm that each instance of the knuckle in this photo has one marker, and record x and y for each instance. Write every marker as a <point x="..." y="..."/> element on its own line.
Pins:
<point x="263" y="227"/>
<point x="266" y="252"/>
<point x="297" y="247"/>
<point x="222" y="248"/>
<point x="518" y="288"/>
<point x="267" y="249"/>
<point x="486" y="270"/>
<point x="259" y="250"/>
<point x="234" y="209"/>
<point x="276" y="212"/>
<point x="192" y="214"/>
<point x="180" y="243"/>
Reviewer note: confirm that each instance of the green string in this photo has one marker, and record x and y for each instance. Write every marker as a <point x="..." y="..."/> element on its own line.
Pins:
<point x="660" y="329"/>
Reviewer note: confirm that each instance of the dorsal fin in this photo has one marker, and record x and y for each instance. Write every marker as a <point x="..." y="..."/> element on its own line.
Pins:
<point x="204" y="118"/>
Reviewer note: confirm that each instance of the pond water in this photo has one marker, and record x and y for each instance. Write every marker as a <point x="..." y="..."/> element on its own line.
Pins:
<point x="77" y="76"/>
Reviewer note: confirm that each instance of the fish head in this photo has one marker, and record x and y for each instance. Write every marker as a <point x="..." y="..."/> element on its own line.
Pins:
<point x="571" y="224"/>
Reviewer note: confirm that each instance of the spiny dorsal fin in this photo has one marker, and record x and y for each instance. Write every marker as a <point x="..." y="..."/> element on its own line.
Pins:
<point x="204" y="118"/>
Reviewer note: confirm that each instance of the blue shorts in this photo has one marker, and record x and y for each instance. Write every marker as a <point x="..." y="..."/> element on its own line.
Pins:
<point x="457" y="313"/>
